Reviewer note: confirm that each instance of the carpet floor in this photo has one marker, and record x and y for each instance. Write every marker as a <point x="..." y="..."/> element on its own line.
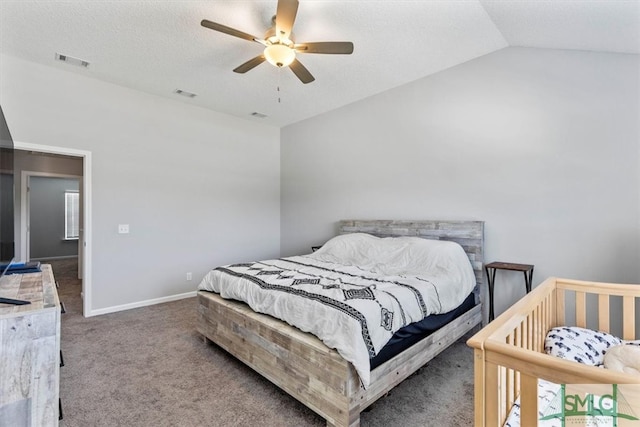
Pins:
<point x="149" y="367"/>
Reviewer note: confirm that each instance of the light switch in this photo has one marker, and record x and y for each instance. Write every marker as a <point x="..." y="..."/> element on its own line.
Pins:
<point x="123" y="228"/>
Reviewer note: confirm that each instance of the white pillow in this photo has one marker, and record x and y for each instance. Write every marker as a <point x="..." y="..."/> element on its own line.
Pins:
<point x="623" y="358"/>
<point x="579" y="344"/>
<point x="397" y="256"/>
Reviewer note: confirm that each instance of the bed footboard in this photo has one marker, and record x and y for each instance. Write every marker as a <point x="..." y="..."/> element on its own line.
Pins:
<point x="304" y="367"/>
<point x="509" y="353"/>
<point x="297" y="362"/>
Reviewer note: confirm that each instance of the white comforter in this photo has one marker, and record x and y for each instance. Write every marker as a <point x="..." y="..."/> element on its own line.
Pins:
<point x="355" y="292"/>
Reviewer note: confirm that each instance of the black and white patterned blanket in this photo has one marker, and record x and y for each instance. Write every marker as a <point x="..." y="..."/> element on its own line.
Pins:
<point x="354" y="311"/>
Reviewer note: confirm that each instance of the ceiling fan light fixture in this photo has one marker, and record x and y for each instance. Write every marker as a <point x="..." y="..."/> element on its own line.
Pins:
<point x="279" y="55"/>
<point x="279" y="43"/>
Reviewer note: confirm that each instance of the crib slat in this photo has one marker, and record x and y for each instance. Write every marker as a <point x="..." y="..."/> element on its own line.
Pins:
<point x="520" y="343"/>
<point x="540" y="332"/>
<point x="550" y="313"/>
<point x="530" y="336"/>
<point x="503" y="397"/>
<point x="509" y="395"/>
<point x="628" y="317"/>
<point x="526" y="333"/>
<point x="581" y="309"/>
<point x="560" y="314"/>
<point x="603" y="313"/>
<point x="480" y="386"/>
<point x="535" y="317"/>
<point x="542" y="327"/>
<point x="528" y="400"/>
<point x="507" y="380"/>
<point x="491" y="393"/>
<point x="549" y="321"/>
<point x="544" y="313"/>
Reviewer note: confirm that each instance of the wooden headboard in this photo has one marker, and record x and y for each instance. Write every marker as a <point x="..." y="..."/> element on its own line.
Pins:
<point x="469" y="234"/>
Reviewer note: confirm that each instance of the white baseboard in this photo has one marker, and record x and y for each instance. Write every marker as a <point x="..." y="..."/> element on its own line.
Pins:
<point x="54" y="258"/>
<point x="139" y="304"/>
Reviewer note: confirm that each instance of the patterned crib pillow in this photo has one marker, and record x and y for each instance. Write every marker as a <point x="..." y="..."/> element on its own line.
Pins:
<point x="579" y="344"/>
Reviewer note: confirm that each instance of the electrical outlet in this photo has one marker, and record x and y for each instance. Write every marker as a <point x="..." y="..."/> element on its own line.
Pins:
<point x="189" y="276"/>
<point x="123" y="228"/>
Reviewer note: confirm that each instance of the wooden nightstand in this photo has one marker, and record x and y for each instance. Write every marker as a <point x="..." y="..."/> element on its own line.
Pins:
<point x="491" y="268"/>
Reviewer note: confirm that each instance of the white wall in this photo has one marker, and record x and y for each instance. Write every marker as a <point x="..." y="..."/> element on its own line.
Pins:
<point x="541" y="144"/>
<point x="198" y="188"/>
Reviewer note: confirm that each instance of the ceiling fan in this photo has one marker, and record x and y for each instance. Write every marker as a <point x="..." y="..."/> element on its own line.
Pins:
<point x="280" y="47"/>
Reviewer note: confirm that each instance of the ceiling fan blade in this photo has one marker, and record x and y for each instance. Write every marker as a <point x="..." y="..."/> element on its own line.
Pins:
<point x="285" y="17"/>
<point x="301" y="72"/>
<point x="249" y="65"/>
<point x="342" y="48"/>
<point x="228" y="30"/>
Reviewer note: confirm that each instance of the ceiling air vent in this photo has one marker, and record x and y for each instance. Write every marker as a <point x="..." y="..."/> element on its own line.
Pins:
<point x="258" y="115"/>
<point x="72" y="61"/>
<point x="184" y="93"/>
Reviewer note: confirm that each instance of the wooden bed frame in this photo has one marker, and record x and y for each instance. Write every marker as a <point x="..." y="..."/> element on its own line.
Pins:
<point x="509" y="353"/>
<point x="316" y="375"/>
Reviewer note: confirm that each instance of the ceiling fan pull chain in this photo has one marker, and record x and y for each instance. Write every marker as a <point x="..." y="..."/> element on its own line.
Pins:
<point x="278" y="87"/>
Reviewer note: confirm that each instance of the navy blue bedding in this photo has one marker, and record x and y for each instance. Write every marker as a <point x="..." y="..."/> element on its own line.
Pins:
<point x="411" y="334"/>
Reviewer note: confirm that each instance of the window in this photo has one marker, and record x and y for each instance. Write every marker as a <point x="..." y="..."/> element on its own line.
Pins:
<point x="71" y="215"/>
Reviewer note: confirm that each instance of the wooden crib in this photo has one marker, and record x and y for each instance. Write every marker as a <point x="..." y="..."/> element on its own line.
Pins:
<point x="509" y="353"/>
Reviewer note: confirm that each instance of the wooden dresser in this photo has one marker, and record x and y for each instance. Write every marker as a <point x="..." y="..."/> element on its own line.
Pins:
<point x="30" y="350"/>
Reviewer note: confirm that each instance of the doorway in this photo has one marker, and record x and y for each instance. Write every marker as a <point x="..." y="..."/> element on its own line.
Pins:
<point x="84" y="238"/>
<point x="53" y="216"/>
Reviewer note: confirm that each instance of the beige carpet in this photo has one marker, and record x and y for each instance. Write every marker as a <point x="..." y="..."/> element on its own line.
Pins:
<point x="149" y="367"/>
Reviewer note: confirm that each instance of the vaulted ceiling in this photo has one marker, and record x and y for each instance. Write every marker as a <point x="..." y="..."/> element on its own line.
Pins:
<point x="159" y="46"/>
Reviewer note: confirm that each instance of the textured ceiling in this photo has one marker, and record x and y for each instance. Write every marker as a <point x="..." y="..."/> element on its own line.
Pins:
<point x="159" y="46"/>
